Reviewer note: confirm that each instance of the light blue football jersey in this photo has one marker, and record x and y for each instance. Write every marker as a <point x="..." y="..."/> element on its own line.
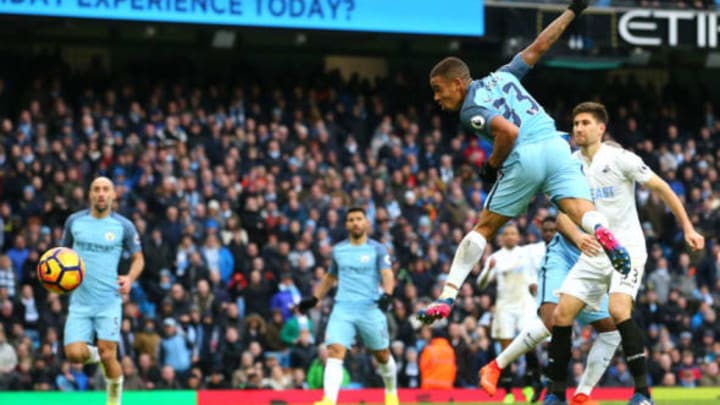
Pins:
<point x="357" y="268"/>
<point x="100" y="242"/>
<point x="501" y="93"/>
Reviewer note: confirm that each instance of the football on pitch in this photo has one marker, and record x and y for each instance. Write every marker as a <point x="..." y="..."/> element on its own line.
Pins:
<point x="60" y="270"/>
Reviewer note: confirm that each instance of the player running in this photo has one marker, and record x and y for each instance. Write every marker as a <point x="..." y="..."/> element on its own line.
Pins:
<point x="359" y="265"/>
<point x="528" y="156"/>
<point x="100" y="236"/>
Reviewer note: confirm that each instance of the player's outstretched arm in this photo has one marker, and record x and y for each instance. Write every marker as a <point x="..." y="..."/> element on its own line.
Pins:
<point x="660" y="186"/>
<point x="532" y="54"/>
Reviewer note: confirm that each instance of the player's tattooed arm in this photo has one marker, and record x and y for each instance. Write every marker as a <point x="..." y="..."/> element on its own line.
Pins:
<point x="532" y="54"/>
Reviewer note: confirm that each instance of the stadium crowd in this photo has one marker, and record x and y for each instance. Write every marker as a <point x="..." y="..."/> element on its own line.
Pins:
<point x="239" y="193"/>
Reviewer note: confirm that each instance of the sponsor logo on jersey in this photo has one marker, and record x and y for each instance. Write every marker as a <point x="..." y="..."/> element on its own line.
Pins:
<point x="599" y="193"/>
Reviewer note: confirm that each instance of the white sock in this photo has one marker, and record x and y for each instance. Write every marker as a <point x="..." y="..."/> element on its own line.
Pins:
<point x="531" y="335"/>
<point x="592" y="219"/>
<point x="332" y="378"/>
<point x="113" y="387"/>
<point x="94" y="355"/>
<point x="466" y="256"/>
<point x="601" y="353"/>
<point x="388" y="372"/>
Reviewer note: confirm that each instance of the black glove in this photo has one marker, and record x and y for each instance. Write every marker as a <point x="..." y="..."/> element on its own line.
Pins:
<point x="578" y="6"/>
<point x="307" y="303"/>
<point x="488" y="173"/>
<point x="384" y="302"/>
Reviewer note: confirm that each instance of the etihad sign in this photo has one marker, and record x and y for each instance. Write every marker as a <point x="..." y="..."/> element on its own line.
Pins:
<point x="662" y="27"/>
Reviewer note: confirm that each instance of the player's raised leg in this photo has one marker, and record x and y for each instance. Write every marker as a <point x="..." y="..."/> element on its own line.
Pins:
<point x="78" y="332"/>
<point x="467" y="255"/>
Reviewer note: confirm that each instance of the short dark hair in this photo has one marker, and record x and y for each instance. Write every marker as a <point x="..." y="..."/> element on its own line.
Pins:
<point x="597" y="110"/>
<point x="549" y="218"/>
<point x="355" y="209"/>
<point x="450" y="68"/>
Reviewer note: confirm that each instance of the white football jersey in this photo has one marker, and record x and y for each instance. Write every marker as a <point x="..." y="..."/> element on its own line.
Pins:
<point x="612" y="175"/>
<point x="512" y="268"/>
<point x="537" y="253"/>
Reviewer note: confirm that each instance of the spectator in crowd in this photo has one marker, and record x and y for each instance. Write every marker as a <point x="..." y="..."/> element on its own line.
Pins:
<point x="8" y="360"/>
<point x="132" y="380"/>
<point x="7" y="276"/>
<point x="174" y="351"/>
<point x="437" y="363"/>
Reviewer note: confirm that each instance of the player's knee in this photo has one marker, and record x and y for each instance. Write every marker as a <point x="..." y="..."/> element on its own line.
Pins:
<point x="546" y="315"/>
<point x="75" y="354"/>
<point x="336" y="351"/>
<point x="561" y="317"/>
<point x="107" y="354"/>
<point x="382" y="356"/>
<point x="619" y="312"/>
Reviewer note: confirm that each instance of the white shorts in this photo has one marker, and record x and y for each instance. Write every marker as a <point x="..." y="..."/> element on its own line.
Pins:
<point x="507" y="324"/>
<point x="592" y="277"/>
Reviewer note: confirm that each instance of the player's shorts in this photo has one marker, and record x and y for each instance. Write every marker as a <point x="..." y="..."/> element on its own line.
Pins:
<point x="592" y="277"/>
<point x="546" y="166"/>
<point x="559" y="259"/>
<point x="85" y="323"/>
<point x="507" y="324"/>
<point x="347" y="321"/>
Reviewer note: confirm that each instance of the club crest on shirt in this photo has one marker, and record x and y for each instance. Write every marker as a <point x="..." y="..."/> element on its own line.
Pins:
<point x="109" y="236"/>
<point x="364" y="259"/>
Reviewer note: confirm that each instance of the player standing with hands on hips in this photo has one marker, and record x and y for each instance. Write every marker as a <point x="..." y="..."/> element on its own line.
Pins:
<point x="100" y="236"/>
<point x="528" y="156"/>
<point x="359" y="265"/>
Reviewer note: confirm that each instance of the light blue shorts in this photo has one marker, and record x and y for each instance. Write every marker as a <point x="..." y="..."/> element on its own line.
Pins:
<point x="368" y="321"/>
<point x="532" y="167"/>
<point x="84" y="324"/>
<point x="559" y="259"/>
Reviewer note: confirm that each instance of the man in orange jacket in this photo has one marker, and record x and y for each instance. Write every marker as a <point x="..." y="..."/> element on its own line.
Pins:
<point x="437" y="363"/>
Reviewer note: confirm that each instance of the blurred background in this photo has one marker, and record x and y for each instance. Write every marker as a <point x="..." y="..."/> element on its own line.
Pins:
<point x="238" y="132"/>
